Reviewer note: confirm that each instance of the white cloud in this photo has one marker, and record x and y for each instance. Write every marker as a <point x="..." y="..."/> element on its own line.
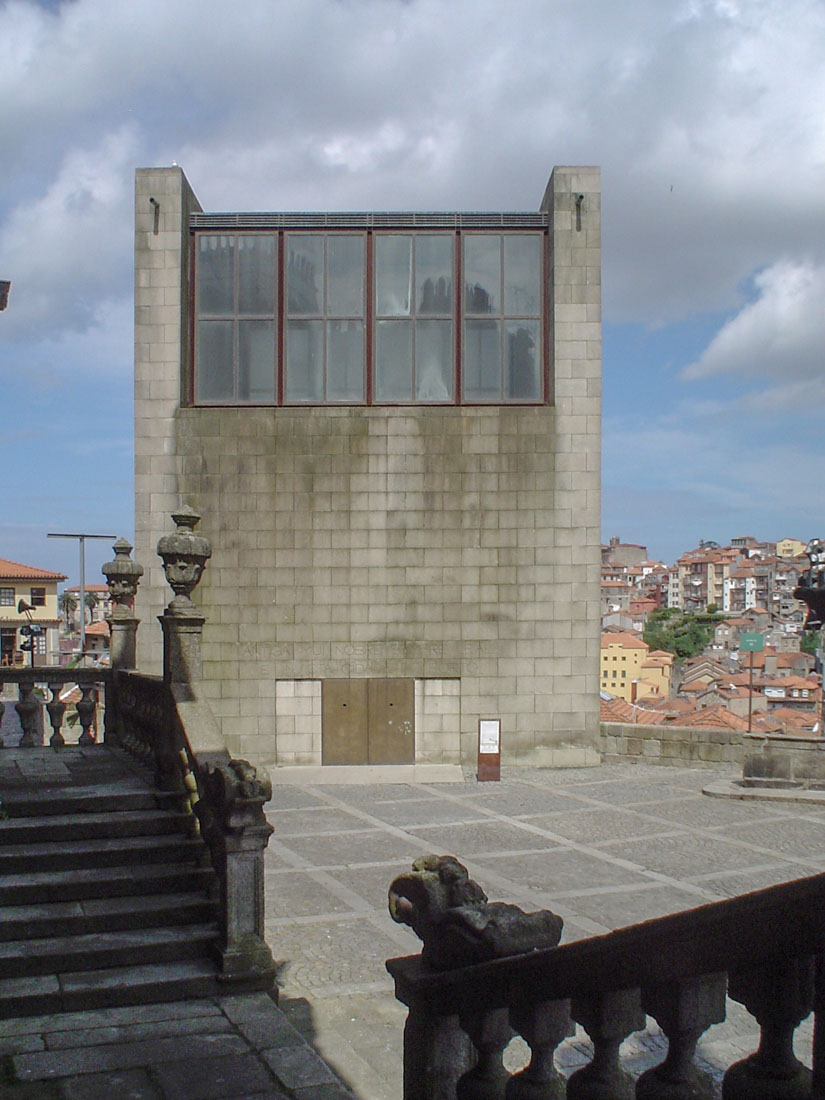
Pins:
<point x="67" y="250"/>
<point x="781" y="334"/>
<point x="708" y="118"/>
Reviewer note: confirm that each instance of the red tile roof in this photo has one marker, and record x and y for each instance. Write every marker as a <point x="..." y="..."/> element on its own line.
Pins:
<point x="718" y="717"/>
<point x="14" y="571"/>
<point x="98" y="629"/>
<point x="622" y="638"/>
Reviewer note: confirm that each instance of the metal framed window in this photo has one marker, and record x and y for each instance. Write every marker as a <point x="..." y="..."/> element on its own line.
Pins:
<point x="236" y="330"/>
<point x="325" y="315"/>
<point x="38" y="597"/>
<point x="414" y="333"/>
<point x="400" y="315"/>
<point x="6" y="597"/>
<point x="503" y="299"/>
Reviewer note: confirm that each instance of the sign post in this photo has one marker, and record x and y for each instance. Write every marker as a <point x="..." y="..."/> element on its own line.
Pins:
<point x="489" y="750"/>
<point x="751" y="642"/>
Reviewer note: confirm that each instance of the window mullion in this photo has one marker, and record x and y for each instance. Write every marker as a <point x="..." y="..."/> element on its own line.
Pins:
<point x="458" y="313"/>
<point x="280" y="334"/>
<point x="236" y="362"/>
<point x="369" y="318"/>
<point x="502" y="322"/>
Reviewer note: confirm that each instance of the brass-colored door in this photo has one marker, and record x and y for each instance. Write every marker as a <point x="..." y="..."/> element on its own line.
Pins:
<point x="368" y="721"/>
<point x="344" y="722"/>
<point x="391" y="707"/>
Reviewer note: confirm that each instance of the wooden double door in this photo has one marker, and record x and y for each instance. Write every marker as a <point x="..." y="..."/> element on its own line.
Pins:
<point x="368" y="721"/>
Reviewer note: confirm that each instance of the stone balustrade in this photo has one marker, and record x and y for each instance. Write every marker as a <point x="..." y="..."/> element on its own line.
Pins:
<point x="165" y="724"/>
<point x="42" y="704"/>
<point x="765" y="950"/>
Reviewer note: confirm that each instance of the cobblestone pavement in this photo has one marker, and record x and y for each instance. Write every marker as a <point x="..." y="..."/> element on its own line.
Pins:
<point x="603" y="847"/>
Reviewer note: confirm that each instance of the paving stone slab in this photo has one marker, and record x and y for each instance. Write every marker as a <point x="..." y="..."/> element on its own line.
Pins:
<point x="134" y="1084"/>
<point x="560" y="870"/>
<point x="485" y="837"/>
<point x="64" y="1063"/>
<point x="216" y="1078"/>
<point x="110" y="1017"/>
<point x="296" y="894"/>
<point x="619" y="908"/>
<point x="350" y="849"/>
<point x="319" y="820"/>
<point x="298" y="1067"/>
<point x="131" y="1033"/>
<point x="600" y="826"/>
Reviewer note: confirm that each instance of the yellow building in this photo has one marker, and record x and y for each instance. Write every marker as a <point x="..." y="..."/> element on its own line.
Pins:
<point x="622" y="657"/>
<point x="657" y="669"/>
<point x="38" y="589"/>
<point x="630" y="671"/>
<point x="789" y="548"/>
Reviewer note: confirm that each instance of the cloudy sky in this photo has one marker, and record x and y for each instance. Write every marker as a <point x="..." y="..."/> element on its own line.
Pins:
<point x="707" y="117"/>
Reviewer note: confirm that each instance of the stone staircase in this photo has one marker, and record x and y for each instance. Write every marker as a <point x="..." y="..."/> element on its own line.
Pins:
<point x="106" y="898"/>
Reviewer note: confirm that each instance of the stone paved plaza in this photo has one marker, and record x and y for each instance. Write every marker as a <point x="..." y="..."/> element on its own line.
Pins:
<point x="603" y="847"/>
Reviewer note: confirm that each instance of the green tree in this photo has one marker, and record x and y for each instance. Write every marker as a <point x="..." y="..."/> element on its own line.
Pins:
<point x="91" y="600"/>
<point x="680" y="632"/>
<point x="810" y="642"/>
<point x="68" y="605"/>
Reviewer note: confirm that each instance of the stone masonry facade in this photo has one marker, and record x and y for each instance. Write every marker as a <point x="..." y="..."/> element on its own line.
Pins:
<point x="458" y="547"/>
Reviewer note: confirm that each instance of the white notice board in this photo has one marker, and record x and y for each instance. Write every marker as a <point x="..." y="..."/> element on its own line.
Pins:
<point x="489" y="735"/>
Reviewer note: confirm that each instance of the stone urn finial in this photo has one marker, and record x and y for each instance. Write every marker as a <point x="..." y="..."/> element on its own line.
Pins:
<point x="123" y="577"/>
<point x="184" y="555"/>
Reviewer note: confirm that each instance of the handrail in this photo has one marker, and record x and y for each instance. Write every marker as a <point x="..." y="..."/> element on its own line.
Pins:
<point x="44" y="674"/>
<point x="29" y="707"/>
<point x="720" y="936"/>
<point x="759" y="948"/>
<point x="170" y="728"/>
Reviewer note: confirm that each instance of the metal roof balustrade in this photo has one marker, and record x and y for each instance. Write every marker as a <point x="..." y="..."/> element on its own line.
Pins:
<point x="368" y="220"/>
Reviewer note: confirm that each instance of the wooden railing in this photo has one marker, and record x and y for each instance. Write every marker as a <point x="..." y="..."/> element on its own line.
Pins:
<point x="40" y="706"/>
<point x="765" y="950"/>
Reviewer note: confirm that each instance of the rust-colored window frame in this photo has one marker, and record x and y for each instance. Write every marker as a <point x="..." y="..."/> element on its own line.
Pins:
<point x="458" y="316"/>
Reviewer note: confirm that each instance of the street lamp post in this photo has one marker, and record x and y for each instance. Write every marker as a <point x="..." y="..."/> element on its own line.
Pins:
<point x="82" y="540"/>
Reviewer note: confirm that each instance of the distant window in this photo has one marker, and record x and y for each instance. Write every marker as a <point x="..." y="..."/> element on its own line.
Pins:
<point x="6" y="597"/>
<point x="38" y="597"/>
<point x="355" y="317"/>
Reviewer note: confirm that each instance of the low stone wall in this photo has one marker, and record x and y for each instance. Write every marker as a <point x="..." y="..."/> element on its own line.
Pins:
<point x="677" y="746"/>
<point x="783" y="762"/>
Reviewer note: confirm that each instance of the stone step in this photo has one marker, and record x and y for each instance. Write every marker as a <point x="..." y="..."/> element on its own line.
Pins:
<point x="65" y="918"/>
<point x="82" y="800"/>
<point x="123" y="881"/>
<point x="76" y="992"/>
<point x="55" y="856"/>
<point x="93" y="951"/>
<point x="90" y="826"/>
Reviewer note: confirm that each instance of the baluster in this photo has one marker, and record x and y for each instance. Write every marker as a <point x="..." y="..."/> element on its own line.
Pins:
<point x="779" y="996"/>
<point x="684" y="1010"/>
<point x="608" y="1019"/>
<point x="28" y="708"/>
<point x="490" y="1033"/>
<point x="436" y="1052"/>
<point x="542" y="1026"/>
<point x="56" y="709"/>
<point x="86" y="713"/>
